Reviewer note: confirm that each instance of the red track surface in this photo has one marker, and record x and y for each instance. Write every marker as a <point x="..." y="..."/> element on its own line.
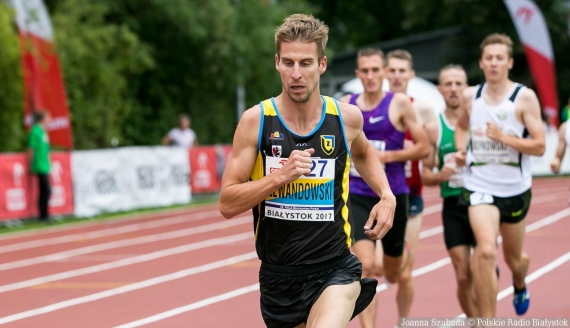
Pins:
<point x="103" y="286"/>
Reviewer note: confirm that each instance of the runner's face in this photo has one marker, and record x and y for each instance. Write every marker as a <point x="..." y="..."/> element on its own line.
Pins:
<point x="399" y="73"/>
<point x="370" y="71"/>
<point x="495" y="62"/>
<point x="300" y="69"/>
<point x="451" y="85"/>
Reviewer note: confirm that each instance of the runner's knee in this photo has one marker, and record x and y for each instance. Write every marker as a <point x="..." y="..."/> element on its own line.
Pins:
<point x="378" y="269"/>
<point x="487" y="252"/>
<point x="405" y="277"/>
<point x="392" y="276"/>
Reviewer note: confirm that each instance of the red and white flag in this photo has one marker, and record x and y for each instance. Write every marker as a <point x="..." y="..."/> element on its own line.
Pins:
<point x="533" y="33"/>
<point x="43" y="83"/>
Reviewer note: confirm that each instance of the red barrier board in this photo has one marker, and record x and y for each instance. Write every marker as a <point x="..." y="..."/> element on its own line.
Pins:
<point x="203" y="169"/>
<point x="19" y="188"/>
<point x="207" y="164"/>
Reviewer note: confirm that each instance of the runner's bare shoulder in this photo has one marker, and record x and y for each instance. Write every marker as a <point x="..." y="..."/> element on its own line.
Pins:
<point x="352" y="120"/>
<point x="249" y="124"/>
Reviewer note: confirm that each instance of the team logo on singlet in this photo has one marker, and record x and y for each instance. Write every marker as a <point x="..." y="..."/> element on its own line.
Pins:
<point x="276" y="136"/>
<point x="276" y="150"/>
<point x="327" y="144"/>
<point x="501" y="114"/>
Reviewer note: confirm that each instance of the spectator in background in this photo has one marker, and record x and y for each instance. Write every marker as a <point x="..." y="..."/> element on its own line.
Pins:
<point x="565" y="112"/>
<point x="38" y="156"/>
<point x="181" y="136"/>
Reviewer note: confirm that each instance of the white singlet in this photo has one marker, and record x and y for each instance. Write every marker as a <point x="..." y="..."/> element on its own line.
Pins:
<point x="493" y="167"/>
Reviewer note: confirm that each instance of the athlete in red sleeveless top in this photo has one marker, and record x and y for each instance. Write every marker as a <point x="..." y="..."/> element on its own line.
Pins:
<point x="413" y="178"/>
<point x="399" y="72"/>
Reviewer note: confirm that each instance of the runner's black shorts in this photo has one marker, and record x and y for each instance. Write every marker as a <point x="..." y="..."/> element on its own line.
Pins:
<point x="393" y="241"/>
<point x="513" y="209"/>
<point x="456" y="228"/>
<point x="288" y="293"/>
<point x="415" y="204"/>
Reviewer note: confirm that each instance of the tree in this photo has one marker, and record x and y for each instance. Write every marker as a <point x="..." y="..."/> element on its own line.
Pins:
<point x="12" y="134"/>
<point x="483" y="17"/>
<point x="97" y="58"/>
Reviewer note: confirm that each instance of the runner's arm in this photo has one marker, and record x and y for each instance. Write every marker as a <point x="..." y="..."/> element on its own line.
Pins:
<point x="560" y="150"/>
<point x="237" y="193"/>
<point x="368" y="166"/>
<point x="420" y="148"/>
<point x="424" y="111"/>
<point x="531" y="119"/>
<point x="363" y="154"/>
<point x="429" y="178"/>
<point x="462" y="127"/>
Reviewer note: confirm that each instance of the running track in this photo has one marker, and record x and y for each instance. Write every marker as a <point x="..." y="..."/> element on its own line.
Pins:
<point x="192" y="268"/>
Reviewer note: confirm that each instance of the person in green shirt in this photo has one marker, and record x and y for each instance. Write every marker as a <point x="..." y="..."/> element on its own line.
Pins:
<point x="565" y="112"/>
<point x="458" y="235"/>
<point x="38" y="155"/>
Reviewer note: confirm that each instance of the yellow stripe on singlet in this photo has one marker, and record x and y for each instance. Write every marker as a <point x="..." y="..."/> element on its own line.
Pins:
<point x="331" y="106"/>
<point x="268" y="109"/>
<point x="344" y="211"/>
<point x="256" y="174"/>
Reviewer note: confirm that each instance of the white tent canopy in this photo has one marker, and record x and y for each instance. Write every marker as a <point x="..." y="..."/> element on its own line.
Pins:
<point x="418" y="88"/>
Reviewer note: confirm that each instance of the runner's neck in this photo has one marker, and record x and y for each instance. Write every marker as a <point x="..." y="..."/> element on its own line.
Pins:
<point x="372" y="99"/>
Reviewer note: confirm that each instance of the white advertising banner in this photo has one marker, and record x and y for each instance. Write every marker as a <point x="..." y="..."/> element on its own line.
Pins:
<point x="112" y="180"/>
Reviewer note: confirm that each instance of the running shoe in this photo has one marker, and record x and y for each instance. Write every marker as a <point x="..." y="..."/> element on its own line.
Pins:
<point x="521" y="301"/>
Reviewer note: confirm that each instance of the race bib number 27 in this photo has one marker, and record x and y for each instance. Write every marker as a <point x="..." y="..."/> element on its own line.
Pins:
<point x="309" y="198"/>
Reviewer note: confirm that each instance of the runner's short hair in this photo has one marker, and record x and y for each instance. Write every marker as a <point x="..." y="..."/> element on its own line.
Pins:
<point x="367" y="52"/>
<point x="400" y="54"/>
<point x="497" y="38"/>
<point x="303" y="28"/>
<point x="447" y="68"/>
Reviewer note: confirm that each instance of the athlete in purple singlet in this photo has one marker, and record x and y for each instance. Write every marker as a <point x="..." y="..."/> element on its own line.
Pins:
<point x="386" y="117"/>
<point x="383" y="137"/>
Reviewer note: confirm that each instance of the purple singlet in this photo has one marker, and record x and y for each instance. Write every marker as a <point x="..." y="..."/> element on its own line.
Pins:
<point x="383" y="136"/>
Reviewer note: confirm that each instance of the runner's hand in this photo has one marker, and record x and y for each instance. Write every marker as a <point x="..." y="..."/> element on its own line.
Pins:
<point x="460" y="157"/>
<point x="555" y="165"/>
<point x="493" y="132"/>
<point x="446" y="172"/>
<point x="298" y="164"/>
<point x="383" y="215"/>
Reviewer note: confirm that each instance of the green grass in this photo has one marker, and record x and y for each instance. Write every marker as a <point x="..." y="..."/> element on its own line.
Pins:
<point x="7" y="227"/>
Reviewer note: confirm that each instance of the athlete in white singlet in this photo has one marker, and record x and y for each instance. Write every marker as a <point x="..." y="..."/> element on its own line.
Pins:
<point x="502" y="119"/>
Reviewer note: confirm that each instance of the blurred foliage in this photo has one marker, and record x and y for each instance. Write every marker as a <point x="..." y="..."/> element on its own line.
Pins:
<point x="483" y="17"/>
<point x="12" y="136"/>
<point x="97" y="58"/>
<point x="359" y="22"/>
<point x="132" y="66"/>
<point x="201" y="50"/>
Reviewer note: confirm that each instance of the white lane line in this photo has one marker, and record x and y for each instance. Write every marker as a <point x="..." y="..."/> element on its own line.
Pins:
<point x="120" y="218"/>
<point x="193" y="306"/>
<point x="381" y="287"/>
<point x="536" y="274"/>
<point x="530" y="278"/>
<point x="127" y="261"/>
<point x="124" y="243"/>
<point x="419" y="271"/>
<point x="129" y="288"/>
<point x="109" y="232"/>
<point x="244" y="290"/>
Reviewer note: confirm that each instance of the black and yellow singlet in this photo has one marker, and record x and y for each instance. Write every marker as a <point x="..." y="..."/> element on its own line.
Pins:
<point x="305" y="221"/>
